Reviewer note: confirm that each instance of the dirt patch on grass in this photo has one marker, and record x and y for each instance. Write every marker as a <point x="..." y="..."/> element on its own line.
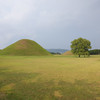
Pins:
<point x="7" y="87"/>
<point x="21" y="44"/>
<point x="2" y="96"/>
<point x="98" y="98"/>
<point x="57" y="94"/>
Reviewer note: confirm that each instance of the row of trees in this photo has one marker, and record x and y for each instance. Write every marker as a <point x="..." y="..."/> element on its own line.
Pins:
<point x="94" y="52"/>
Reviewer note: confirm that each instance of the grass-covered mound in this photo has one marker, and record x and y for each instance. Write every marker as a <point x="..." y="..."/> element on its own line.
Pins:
<point x="24" y="47"/>
<point x="67" y="53"/>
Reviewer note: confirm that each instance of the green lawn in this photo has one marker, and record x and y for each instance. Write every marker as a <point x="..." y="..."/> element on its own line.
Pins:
<point x="49" y="78"/>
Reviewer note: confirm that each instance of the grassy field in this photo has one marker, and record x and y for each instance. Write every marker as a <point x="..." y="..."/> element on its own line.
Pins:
<point x="49" y="78"/>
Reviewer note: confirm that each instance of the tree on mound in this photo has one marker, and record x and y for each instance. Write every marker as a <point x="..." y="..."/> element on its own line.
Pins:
<point x="25" y="47"/>
<point x="80" y="46"/>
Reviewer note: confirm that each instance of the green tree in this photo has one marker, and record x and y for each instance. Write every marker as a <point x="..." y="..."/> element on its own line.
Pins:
<point x="80" y="47"/>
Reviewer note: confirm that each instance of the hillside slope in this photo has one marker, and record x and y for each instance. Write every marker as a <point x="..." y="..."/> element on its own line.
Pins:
<point x="67" y="53"/>
<point x="25" y="47"/>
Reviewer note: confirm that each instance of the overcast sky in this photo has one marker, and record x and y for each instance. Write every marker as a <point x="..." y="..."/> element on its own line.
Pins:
<point x="51" y="23"/>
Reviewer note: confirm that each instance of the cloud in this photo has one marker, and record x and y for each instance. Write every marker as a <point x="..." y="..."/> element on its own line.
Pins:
<point x="13" y="14"/>
<point x="14" y="10"/>
<point x="49" y="22"/>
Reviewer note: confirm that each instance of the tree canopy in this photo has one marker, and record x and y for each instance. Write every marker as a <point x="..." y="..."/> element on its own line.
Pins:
<point x="80" y="46"/>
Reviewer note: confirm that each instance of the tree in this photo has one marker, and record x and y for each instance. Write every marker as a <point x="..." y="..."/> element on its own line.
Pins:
<point x="80" y="46"/>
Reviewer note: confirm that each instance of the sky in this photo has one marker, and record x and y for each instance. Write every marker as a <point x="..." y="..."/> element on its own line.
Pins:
<point x="51" y="23"/>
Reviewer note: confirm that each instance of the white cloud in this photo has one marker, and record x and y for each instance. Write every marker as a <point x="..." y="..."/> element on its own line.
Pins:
<point x="42" y="19"/>
<point x="15" y="10"/>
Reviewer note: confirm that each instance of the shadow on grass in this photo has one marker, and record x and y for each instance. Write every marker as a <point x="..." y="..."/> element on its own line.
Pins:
<point x="14" y="77"/>
<point x="45" y="90"/>
<point x="80" y="90"/>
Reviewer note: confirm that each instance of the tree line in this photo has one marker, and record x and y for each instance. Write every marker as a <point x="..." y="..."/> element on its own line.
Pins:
<point x="94" y="52"/>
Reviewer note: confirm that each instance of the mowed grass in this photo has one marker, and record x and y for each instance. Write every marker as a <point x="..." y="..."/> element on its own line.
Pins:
<point x="49" y="78"/>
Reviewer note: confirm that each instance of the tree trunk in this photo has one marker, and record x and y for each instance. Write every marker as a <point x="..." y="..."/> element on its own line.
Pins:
<point x="79" y="55"/>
